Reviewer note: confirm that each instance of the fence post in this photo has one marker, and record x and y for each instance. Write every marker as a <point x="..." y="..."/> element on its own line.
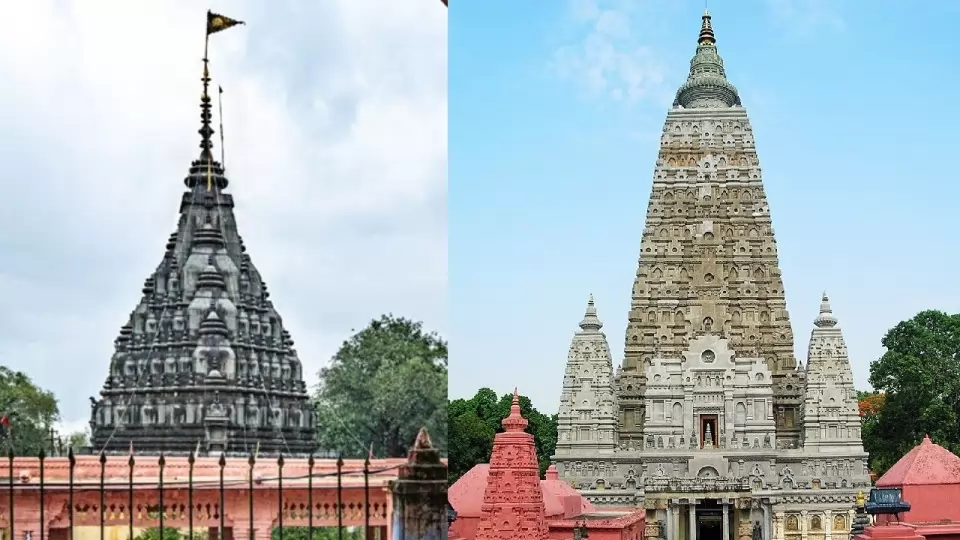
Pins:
<point x="420" y="494"/>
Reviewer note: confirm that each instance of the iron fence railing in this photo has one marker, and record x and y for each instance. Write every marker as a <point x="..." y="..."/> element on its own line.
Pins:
<point x="229" y="496"/>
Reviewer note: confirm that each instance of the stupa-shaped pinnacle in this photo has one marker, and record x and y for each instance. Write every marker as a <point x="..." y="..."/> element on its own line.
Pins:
<point x="707" y="85"/>
<point x="826" y="318"/>
<point x="515" y="422"/>
<point x="590" y="322"/>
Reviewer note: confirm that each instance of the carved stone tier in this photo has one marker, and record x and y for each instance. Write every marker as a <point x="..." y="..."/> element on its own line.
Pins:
<point x="204" y="362"/>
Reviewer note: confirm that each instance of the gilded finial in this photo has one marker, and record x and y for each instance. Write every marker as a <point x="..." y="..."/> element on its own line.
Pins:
<point x="860" y="499"/>
<point x="706" y="29"/>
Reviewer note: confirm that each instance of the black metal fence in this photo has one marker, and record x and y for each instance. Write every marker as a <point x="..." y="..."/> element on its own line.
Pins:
<point x="229" y="497"/>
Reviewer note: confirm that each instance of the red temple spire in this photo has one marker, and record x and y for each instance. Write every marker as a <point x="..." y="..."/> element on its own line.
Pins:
<point x="513" y="507"/>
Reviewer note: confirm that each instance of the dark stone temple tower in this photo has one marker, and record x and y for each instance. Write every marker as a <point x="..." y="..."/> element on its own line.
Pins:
<point x="204" y="361"/>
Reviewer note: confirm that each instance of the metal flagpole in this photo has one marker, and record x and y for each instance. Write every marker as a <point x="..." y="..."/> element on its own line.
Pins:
<point x="223" y="151"/>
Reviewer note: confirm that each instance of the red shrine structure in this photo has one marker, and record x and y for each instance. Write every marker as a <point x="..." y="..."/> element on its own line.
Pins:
<point x="929" y="477"/>
<point x="507" y="500"/>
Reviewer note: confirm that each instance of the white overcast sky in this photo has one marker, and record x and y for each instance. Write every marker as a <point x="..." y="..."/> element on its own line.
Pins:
<point x="335" y="114"/>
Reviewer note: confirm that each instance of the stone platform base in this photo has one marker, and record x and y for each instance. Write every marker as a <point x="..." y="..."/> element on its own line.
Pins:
<point x="889" y="532"/>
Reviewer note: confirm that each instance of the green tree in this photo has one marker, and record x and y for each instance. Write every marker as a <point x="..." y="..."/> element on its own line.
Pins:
<point x="384" y="384"/>
<point x="319" y="533"/>
<point x="30" y="412"/>
<point x="920" y="377"/>
<point x="169" y="533"/>
<point x="471" y="440"/>
<point x="76" y="441"/>
<point x="475" y="421"/>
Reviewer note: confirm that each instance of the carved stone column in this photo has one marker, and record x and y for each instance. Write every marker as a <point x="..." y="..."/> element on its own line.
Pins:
<point x="765" y="524"/>
<point x="745" y="530"/>
<point x="693" y="520"/>
<point x="652" y="530"/>
<point x="804" y="524"/>
<point x="676" y="521"/>
<point x="726" y="521"/>
<point x="778" y="518"/>
<point x="828" y="525"/>
<point x="671" y="530"/>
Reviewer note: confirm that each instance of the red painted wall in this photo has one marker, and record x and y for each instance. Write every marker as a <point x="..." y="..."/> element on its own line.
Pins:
<point x="930" y="504"/>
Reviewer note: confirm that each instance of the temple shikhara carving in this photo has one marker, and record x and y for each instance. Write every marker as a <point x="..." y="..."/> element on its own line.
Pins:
<point x="710" y="423"/>
<point x="204" y="362"/>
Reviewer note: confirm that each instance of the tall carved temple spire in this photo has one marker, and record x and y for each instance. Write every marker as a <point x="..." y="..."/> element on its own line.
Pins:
<point x="708" y="260"/>
<point x="709" y="399"/>
<point x="204" y="357"/>
<point x="513" y="506"/>
<point x="831" y="414"/>
<point x="587" y="420"/>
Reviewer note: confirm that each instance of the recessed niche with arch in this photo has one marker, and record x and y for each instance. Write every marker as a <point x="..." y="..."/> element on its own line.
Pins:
<point x="708" y="472"/>
<point x="707" y="324"/>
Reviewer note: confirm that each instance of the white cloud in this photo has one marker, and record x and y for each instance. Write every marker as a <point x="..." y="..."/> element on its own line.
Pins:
<point x="335" y="117"/>
<point x="610" y="61"/>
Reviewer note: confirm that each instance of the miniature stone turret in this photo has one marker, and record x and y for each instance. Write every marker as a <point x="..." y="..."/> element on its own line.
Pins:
<point x="587" y="418"/>
<point x="831" y="416"/>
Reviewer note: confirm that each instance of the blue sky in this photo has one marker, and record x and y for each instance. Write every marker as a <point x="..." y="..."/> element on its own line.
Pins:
<point x="555" y="110"/>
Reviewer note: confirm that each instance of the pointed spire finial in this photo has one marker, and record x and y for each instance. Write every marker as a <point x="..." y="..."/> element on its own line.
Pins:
<point x="826" y="318"/>
<point x="206" y="131"/>
<point x="707" y="85"/>
<point x="206" y="169"/>
<point x="590" y="322"/>
<point x="706" y="29"/>
<point x="515" y="422"/>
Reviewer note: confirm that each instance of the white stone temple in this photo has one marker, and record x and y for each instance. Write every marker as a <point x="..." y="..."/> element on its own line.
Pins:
<point x="710" y="423"/>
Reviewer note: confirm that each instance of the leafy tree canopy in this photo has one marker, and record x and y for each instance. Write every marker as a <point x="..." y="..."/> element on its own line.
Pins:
<point x="319" y="533"/>
<point x="30" y="412"/>
<point x="384" y="384"/>
<point x="870" y="404"/>
<point x="76" y="441"/>
<point x="475" y="421"/>
<point x="169" y="533"/>
<point x="919" y="377"/>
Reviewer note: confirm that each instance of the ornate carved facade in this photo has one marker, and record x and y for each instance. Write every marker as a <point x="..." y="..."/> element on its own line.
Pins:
<point x="719" y="433"/>
<point x="204" y="361"/>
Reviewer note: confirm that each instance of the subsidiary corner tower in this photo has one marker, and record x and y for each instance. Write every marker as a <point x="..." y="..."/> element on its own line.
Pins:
<point x="204" y="362"/>
<point x="718" y="432"/>
<point x="587" y="420"/>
